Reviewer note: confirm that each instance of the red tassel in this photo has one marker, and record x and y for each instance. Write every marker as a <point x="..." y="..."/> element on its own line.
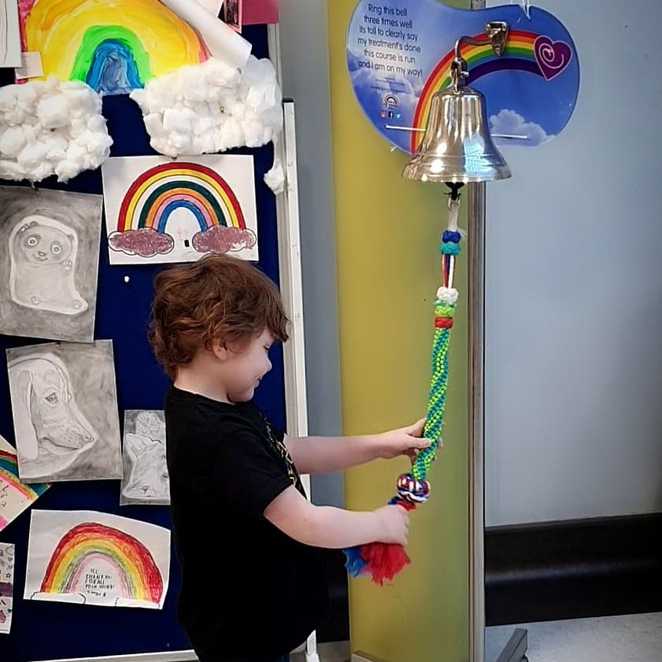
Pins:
<point x="384" y="561"/>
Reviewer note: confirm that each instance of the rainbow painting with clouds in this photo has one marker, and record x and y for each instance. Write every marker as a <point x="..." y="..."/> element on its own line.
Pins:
<point x="115" y="46"/>
<point x="399" y="56"/>
<point x="175" y="211"/>
<point x="97" y="558"/>
<point x="15" y="495"/>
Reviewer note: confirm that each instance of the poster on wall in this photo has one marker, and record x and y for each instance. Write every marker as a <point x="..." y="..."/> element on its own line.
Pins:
<point x="15" y="495"/>
<point x="92" y="558"/>
<point x="145" y="469"/>
<point x="232" y="14"/>
<point x="260" y="12"/>
<point x="10" y="38"/>
<point x="399" y="54"/>
<point x="64" y="405"/>
<point x="7" y="554"/>
<point x="158" y="210"/>
<point x="115" y="47"/>
<point x="50" y="262"/>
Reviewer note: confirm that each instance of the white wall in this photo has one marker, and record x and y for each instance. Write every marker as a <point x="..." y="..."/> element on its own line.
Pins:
<point x="574" y="289"/>
<point x="305" y="63"/>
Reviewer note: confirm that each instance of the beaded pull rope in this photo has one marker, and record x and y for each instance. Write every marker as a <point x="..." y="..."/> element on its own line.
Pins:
<point x="383" y="561"/>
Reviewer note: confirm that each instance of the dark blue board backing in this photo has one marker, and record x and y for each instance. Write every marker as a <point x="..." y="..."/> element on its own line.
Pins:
<point x="48" y="631"/>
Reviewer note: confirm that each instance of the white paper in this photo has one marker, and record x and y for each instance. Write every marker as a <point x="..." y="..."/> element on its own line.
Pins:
<point x="51" y="258"/>
<point x="15" y="496"/>
<point x="144" y="451"/>
<point x="64" y="405"/>
<point x="213" y="6"/>
<point x="31" y="66"/>
<point x="93" y="558"/>
<point x="223" y="42"/>
<point x="182" y="210"/>
<point x="10" y="39"/>
<point x="7" y="555"/>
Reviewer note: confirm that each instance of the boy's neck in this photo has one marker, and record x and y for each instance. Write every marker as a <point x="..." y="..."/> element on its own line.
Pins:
<point x="195" y="379"/>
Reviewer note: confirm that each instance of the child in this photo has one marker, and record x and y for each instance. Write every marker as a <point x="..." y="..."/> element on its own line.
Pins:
<point x="248" y="541"/>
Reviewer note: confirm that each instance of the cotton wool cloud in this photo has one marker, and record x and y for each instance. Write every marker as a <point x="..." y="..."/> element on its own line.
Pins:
<point x="51" y="128"/>
<point x="211" y="107"/>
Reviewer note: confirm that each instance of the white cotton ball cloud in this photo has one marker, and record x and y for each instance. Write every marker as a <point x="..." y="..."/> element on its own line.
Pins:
<point x="211" y="107"/>
<point x="51" y="128"/>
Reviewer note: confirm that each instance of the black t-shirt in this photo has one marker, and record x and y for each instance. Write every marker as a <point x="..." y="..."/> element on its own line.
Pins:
<point x="246" y="586"/>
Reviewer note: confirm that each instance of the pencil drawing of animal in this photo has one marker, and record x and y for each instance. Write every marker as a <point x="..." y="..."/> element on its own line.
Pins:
<point x="146" y="454"/>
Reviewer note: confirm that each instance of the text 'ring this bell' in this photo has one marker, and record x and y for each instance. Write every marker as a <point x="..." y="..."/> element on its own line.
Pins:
<point x="457" y="146"/>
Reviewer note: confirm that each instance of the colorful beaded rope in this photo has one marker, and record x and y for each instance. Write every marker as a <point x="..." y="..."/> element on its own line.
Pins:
<point x="383" y="561"/>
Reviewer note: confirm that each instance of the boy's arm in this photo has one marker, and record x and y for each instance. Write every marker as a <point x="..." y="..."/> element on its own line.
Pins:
<point x="335" y="528"/>
<point x="314" y="455"/>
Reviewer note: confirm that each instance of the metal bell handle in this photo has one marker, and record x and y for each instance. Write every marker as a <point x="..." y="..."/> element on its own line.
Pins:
<point x="497" y="35"/>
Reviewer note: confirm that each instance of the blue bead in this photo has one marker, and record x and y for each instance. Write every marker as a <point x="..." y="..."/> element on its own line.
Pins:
<point x="451" y="236"/>
<point x="449" y="248"/>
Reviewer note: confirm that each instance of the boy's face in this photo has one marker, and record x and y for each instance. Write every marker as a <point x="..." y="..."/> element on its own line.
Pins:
<point x="244" y="368"/>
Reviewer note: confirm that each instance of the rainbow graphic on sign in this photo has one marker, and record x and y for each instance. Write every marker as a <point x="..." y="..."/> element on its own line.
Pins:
<point x="114" y="46"/>
<point x="15" y="495"/>
<point x="77" y="556"/>
<point x="156" y="210"/>
<point x="525" y="51"/>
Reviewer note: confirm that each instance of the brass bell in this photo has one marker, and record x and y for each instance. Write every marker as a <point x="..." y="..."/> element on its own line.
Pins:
<point x="457" y="146"/>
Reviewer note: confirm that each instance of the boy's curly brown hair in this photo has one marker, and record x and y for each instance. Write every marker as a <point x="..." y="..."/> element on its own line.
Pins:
<point x="218" y="298"/>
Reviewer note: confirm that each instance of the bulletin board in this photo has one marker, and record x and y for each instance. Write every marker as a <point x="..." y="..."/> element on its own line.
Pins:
<point x="48" y="631"/>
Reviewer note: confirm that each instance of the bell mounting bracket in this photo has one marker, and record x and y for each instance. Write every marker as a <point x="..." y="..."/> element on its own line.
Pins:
<point x="496" y="33"/>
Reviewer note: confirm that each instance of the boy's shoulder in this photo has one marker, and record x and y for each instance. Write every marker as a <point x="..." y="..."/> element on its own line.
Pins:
<point x="189" y="413"/>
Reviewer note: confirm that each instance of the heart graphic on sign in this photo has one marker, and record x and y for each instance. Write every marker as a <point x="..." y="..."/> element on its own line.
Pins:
<point x="552" y="56"/>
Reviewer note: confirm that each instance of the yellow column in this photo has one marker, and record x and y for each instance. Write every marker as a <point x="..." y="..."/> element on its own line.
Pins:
<point x="388" y="272"/>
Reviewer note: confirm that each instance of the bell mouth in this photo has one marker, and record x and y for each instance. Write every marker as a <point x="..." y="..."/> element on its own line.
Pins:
<point x="456" y="170"/>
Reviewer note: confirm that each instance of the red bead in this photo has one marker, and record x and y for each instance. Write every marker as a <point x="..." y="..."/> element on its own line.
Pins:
<point x="443" y="322"/>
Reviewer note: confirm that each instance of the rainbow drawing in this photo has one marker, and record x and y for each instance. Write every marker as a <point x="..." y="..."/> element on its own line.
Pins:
<point x="83" y="546"/>
<point x="153" y="197"/>
<point x="520" y="54"/>
<point x="114" y="46"/>
<point x="145" y="197"/>
<point x="15" y="495"/>
<point x="9" y="477"/>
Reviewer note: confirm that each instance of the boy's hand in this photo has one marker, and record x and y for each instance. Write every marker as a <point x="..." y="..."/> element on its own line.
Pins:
<point x="395" y="524"/>
<point x="403" y="441"/>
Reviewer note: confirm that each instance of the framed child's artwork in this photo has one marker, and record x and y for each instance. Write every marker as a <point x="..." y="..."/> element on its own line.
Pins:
<point x="145" y="469"/>
<point x="87" y="557"/>
<point x="15" y="495"/>
<point x="49" y="268"/>
<point x="10" y="37"/>
<point x="159" y="210"/>
<point x="7" y="554"/>
<point x="64" y="405"/>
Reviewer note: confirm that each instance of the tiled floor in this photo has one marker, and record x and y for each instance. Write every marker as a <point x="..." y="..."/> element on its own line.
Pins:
<point x="634" y="638"/>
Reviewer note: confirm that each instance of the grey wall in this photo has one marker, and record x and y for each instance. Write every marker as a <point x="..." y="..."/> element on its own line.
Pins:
<point x="304" y="57"/>
<point x="574" y="289"/>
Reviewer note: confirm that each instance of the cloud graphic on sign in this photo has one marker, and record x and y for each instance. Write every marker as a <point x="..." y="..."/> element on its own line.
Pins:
<point x="144" y="242"/>
<point x="510" y="122"/>
<point x="219" y="239"/>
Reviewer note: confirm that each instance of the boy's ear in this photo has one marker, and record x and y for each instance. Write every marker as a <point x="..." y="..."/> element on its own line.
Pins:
<point x="219" y="350"/>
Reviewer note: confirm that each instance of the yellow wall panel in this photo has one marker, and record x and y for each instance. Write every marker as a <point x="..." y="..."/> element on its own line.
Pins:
<point x="388" y="272"/>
